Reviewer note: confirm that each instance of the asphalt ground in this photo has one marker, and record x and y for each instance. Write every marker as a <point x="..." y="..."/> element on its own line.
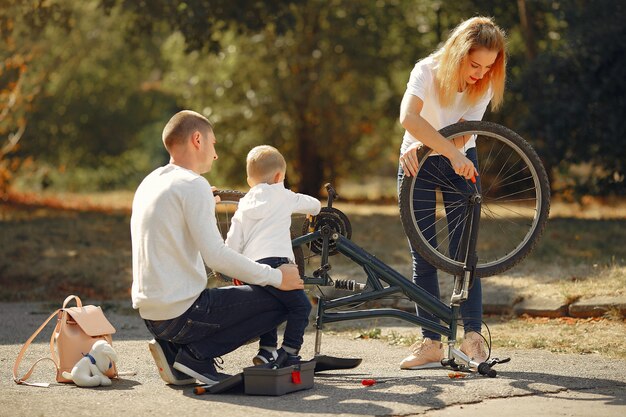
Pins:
<point x="533" y="383"/>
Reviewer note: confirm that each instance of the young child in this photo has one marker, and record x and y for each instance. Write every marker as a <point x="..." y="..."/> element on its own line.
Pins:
<point x="260" y="230"/>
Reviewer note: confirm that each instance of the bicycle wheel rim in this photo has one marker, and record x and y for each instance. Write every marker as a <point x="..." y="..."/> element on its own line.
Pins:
<point x="515" y="203"/>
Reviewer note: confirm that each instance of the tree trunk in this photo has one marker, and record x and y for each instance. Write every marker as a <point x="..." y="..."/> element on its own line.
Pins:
<point x="309" y="161"/>
<point x="527" y="30"/>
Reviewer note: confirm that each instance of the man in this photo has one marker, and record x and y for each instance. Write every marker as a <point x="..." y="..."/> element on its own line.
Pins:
<point x="174" y="233"/>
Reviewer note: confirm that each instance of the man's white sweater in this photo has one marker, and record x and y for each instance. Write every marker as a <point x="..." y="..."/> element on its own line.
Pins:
<point x="174" y="233"/>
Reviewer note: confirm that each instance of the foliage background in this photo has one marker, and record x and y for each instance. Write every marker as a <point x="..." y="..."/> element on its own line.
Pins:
<point x="85" y="87"/>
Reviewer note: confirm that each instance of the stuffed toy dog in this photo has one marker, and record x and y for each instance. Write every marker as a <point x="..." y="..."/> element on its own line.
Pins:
<point x="89" y="371"/>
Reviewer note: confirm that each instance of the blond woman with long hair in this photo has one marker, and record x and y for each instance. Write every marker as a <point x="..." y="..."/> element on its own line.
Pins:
<point x="453" y="84"/>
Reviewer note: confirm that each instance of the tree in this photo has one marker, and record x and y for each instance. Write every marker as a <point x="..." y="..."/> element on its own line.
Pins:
<point x="322" y="85"/>
<point x="576" y="97"/>
<point x="88" y="96"/>
<point x="201" y="21"/>
<point x="22" y="23"/>
<point x="88" y="85"/>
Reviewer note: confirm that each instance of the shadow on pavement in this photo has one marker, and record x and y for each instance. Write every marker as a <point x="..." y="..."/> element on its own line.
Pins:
<point x="343" y="393"/>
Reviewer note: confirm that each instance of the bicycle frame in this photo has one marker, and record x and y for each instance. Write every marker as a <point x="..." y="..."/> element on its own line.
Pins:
<point x="378" y="273"/>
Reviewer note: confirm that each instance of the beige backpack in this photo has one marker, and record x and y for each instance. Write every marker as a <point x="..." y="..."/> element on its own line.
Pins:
<point x="77" y="329"/>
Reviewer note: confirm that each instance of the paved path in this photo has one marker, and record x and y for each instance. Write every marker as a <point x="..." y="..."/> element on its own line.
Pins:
<point x="536" y="382"/>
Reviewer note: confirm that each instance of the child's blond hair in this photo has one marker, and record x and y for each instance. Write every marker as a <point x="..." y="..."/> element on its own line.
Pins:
<point x="263" y="162"/>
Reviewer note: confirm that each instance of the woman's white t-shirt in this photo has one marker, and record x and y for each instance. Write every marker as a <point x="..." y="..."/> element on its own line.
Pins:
<point x="422" y="84"/>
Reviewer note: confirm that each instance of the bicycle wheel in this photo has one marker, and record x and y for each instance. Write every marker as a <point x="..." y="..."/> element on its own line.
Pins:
<point x="515" y="201"/>
<point x="224" y="211"/>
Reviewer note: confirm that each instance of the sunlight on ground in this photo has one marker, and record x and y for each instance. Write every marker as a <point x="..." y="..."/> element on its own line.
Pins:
<point x="560" y="335"/>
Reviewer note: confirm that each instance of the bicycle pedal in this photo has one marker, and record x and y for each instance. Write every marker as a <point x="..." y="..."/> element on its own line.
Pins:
<point x="321" y="270"/>
<point x="450" y="362"/>
<point x="495" y="361"/>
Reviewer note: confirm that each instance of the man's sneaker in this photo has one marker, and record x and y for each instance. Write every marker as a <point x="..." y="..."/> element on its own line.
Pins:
<point x="264" y="357"/>
<point x="285" y="359"/>
<point x="474" y="346"/>
<point x="164" y="354"/>
<point x="425" y="354"/>
<point x="203" y="371"/>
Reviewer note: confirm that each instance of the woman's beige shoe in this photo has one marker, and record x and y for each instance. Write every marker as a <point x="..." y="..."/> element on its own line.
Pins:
<point x="425" y="354"/>
<point x="474" y="346"/>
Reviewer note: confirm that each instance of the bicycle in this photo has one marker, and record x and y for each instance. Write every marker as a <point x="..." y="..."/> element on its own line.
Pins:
<point x="513" y="198"/>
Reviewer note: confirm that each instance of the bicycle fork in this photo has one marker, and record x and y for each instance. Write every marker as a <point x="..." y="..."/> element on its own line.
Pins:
<point x="456" y="359"/>
<point x="468" y="248"/>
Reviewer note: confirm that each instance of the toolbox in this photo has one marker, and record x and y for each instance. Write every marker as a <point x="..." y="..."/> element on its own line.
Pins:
<point x="259" y="380"/>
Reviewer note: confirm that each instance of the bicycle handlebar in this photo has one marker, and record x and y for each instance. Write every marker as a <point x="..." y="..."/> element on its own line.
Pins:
<point x="332" y="194"/>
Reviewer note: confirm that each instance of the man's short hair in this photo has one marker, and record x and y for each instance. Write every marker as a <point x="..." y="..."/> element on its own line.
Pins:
<point x="263" y="162"/>
<point x="182" y="125"/>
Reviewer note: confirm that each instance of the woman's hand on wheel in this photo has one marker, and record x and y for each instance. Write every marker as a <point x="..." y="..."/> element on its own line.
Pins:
<point x="408" y="160"/>
<point x="463" y="166"/>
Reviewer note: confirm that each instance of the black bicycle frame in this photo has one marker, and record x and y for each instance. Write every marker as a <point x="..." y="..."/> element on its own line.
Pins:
<point x="378" y="273"/>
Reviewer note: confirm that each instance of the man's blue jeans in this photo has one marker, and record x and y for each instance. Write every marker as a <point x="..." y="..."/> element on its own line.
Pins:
<point x="221" y="320"/>
<point x="437" y="170"/>
<point x="299" y="307"/>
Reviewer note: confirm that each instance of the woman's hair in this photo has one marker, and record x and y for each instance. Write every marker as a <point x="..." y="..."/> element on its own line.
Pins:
<point x="182" y="125"/>
<point x="263" y="162"/>
<point x="475" y="33"/>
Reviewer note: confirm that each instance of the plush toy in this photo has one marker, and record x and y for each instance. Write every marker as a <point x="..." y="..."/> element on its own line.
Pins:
<point x="89" y="371"/>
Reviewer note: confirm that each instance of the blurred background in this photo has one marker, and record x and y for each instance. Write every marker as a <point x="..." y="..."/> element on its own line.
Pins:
<point x="87" y="86"/>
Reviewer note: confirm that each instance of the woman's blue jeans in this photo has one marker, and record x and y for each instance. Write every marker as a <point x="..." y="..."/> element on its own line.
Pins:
<point x="438" y="170"/>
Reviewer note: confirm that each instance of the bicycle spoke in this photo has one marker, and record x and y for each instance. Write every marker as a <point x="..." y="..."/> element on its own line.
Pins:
<point x="516" y="181"/>
<point x="498" y="174"/>
<point x="512" y="211"/>
<point x="447" y="182"/>
<point x="438" y="185"/>
<point x="515" y="193"/>
<point x="511" y="229"/>
<point x="490" y="161"/>
<point x="458" y="223"/>
<point x="509" y="168"/>
<point x="516" y="200"/>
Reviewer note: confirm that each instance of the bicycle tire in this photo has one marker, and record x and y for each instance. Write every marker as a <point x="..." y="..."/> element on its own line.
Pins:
<point x="223" y="217"/>
<point x="539" y="195"/>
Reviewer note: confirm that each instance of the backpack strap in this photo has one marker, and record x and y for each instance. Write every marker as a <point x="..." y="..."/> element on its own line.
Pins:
<point x="70" y="298"/>
<point x="22" y="380"/>
<point x="53" y="352"/>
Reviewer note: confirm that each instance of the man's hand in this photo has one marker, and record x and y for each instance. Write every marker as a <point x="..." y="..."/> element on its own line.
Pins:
<point x="291" y="278"/>
<point x="215" y="196"/>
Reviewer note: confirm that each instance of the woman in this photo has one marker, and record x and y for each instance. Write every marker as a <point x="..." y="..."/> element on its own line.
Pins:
<point x="455" y="83"/>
